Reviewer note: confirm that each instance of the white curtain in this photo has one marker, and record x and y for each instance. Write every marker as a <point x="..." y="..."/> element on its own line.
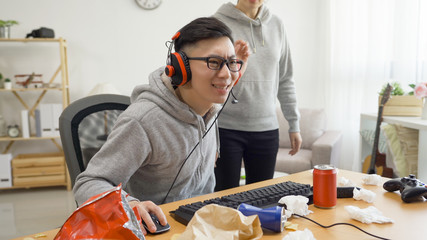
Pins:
<point x="368" y="43"/>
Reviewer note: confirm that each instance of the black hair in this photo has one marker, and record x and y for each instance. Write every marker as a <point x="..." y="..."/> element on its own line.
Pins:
<point x="201" y="29"/>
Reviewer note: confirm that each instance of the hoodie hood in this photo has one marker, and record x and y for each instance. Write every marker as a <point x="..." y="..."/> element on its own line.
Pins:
<point x="160" y="92"/>
<point x="229" y="10"/>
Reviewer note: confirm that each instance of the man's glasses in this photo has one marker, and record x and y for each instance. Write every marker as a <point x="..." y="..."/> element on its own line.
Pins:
<point x="216" y="63"/>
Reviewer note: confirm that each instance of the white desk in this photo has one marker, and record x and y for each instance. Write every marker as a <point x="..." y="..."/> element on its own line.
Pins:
<point x="368" y="121"/>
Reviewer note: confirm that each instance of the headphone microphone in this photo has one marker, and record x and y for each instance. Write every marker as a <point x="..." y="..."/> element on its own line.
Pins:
<point x="234" y="101"/>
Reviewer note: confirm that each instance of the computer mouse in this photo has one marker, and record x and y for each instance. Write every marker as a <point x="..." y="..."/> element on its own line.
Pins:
<point x="159" y="226"/>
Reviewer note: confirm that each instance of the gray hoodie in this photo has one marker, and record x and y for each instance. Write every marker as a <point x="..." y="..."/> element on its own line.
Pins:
<point x="148" y="145"/>
<point x="268" y="75"/>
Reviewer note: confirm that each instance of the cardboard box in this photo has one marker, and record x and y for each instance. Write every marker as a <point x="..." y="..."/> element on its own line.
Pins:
<point x="402" y="106"/>
<point x="5" y="170"/>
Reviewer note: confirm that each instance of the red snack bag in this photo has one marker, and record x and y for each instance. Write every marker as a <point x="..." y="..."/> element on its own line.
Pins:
<point x="104" y="216"/>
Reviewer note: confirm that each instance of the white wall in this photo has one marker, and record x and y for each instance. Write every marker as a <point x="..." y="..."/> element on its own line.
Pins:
<point x="119" y="42"/>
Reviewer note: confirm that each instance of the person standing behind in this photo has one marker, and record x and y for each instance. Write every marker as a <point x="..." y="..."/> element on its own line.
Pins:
<point x="248" y="126"/>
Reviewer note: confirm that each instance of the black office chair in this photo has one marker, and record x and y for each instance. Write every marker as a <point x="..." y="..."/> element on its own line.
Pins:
<point x="84" y="126"/>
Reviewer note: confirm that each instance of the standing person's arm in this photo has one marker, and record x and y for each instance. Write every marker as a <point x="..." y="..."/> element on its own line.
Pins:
<point x="287" y="95"/>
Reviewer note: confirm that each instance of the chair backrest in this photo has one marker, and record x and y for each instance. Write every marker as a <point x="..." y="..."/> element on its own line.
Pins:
<point x="84" y="126"/>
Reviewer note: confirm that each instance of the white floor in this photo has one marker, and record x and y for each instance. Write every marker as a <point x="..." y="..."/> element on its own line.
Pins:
<point x="28" y="211"/>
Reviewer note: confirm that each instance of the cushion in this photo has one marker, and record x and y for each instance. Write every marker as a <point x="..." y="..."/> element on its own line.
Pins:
<point x="293" y="164"/>
<point x="397" y="154"/>
<point x="403" y="145"/>
<point x="369" y="136"/>
<point x="312" y="126"/>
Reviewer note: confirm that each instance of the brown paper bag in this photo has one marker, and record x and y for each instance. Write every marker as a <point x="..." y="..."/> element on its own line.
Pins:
<point x="216" y="222"/>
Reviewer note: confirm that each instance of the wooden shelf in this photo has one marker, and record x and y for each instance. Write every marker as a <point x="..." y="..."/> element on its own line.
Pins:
<point x="58" y="178"/>
<point x="30" y="39"/>
<point x="2" y="139"/>
<point x="28" y="89"/>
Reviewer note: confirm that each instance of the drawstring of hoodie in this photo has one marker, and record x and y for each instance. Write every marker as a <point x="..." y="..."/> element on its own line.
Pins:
<point x="252" y="34"/>
<point x="195" y="146"/>
<point x="201" y="139"/>
<point x="217" y="139"/>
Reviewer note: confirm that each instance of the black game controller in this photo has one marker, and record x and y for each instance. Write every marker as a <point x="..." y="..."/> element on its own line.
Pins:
<point x="411" y="189"/>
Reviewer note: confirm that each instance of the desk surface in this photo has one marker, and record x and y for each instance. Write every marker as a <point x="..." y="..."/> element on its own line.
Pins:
<point x="409" y="218"/>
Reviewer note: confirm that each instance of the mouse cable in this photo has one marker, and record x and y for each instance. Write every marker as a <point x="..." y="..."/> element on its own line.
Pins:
<point x="194" y="148"/>
<point x="335" y="224"/>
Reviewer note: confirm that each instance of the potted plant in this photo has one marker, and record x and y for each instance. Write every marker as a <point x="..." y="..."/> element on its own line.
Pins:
<point x="5" y="27"/>
<point x="400" y="103"/>
<point x="7" y="84"/>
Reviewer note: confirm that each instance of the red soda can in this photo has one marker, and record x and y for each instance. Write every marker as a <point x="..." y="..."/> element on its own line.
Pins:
<point x="324" y="186"/>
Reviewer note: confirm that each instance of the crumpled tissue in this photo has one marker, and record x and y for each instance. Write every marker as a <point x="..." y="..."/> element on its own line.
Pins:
<point x="372" y="179"/>
<point x="300" y="235"/>
<point x="295" y="204"/>
<point x="218" y="222"/>
<point x="368" y="215"/>
<point x="344" y="182"/>
<point x="364" y="194"/>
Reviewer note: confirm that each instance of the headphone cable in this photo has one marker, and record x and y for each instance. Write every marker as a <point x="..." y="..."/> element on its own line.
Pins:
<point x="335" y="224"/>
<point x="194" y="148"/>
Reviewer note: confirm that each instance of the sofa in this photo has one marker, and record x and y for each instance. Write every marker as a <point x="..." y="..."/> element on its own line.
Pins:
<point x="319" y="145"/>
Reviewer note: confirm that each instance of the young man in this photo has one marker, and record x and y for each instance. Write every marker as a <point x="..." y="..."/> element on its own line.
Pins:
<point x="168" y="125"/>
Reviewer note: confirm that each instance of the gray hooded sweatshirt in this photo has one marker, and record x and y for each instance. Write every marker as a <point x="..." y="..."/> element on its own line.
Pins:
<point x="147" y="146"/>
<point x="268" y="76"/>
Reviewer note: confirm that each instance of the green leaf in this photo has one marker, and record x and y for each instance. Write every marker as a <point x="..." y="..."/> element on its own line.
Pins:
<point x="7" y="23"/>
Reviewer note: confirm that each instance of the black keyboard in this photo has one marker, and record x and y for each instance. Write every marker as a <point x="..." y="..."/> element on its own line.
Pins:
<point x="263" y="197"/>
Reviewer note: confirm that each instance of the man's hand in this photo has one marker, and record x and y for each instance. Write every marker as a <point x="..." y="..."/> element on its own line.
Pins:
<point x="144" y="209"/>
<point x="242" y="52"/>
<point x="296" y="142"/>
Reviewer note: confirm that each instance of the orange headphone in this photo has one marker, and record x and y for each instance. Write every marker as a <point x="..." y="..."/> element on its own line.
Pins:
<point x="178" y="66"/>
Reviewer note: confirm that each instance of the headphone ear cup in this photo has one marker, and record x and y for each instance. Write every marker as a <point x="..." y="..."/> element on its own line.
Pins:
<point x="178" y="69"/>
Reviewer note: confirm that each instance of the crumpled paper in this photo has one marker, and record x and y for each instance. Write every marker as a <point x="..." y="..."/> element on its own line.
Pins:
<point x="372" y="179"/>
<point x="300" y="235"/>
<point x="218" y="222"/>
<point x="295" y="204"/>
<point x="368" y="215"/>
<point x="344" y="182"/>
<point x="364" y="194"/>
